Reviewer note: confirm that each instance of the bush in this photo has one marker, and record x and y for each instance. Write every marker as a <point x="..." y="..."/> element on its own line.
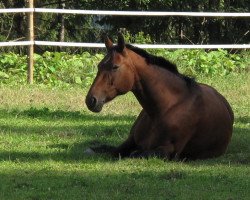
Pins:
<point x="51" y="68"/>
<point x="211" y="63"/>
<point x="54" y="68"/>
<point x="58" y="68"/>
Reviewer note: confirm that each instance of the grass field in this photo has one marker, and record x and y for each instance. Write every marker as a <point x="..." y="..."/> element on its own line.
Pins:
<point x="44" y="132"/>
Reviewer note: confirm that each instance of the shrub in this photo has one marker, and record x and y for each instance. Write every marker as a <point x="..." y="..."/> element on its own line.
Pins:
<point x="54" y="68"/>
<point x="211" y="63"/>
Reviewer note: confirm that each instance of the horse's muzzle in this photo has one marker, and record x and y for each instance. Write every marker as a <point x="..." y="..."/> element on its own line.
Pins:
<point x="93" y="103"/>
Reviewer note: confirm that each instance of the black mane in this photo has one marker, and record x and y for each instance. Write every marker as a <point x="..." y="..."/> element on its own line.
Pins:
<point x="155" y="60"/>
<point x="161" y="62"/>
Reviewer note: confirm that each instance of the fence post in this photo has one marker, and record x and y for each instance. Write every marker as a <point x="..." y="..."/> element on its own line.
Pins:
<point x="31" y="46"/>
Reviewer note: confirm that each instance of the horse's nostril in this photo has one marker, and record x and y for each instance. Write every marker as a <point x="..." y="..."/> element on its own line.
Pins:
<point x="94" y="104"/>
<point x="93" y="101"/>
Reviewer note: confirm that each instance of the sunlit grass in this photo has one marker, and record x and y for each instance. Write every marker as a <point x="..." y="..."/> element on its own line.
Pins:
<point x="44" y="132"/>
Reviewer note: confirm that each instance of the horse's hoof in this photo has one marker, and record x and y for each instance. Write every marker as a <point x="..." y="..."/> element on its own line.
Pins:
<point x="89" y="152"/>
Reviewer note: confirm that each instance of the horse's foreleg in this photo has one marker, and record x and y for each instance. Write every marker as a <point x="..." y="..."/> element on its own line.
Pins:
<point x="125" y="149"/>
<point x="141" y="125"/>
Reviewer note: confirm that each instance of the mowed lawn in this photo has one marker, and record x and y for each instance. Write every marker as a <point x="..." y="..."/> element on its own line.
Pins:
<point x="45" y="131"/>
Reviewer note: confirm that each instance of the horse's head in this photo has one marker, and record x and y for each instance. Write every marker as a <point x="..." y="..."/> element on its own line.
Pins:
<point x="115" y="76"/>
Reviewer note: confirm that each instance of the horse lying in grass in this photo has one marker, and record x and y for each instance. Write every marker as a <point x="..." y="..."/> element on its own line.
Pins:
<point x="181" y="119"/>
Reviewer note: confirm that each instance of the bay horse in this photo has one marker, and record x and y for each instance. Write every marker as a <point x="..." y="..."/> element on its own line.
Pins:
<point x="180" y="118"/>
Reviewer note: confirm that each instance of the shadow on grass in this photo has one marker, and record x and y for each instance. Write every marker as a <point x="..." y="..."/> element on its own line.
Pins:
<point x="49" y="184"/>
<point x="48" y="114"/>
<point x="106" y="183"/>
<point x="79" y="125"/>
<point x="65" y="130"/>
<point x="52" y="121"/>
<point x="59" y="152"/>
<point x="238" y="151"/>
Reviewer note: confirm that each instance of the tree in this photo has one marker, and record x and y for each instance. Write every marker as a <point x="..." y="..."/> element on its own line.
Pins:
<point x="169" y="30"/>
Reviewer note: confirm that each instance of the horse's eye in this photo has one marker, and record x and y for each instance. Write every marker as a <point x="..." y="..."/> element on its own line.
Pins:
<point x="115" y="67"/>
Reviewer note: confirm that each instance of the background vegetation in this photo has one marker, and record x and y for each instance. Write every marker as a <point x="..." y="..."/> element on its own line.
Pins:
<point x="64" y="69"/>
<point x="77" y="65"/>
<point x="173" y="30"/>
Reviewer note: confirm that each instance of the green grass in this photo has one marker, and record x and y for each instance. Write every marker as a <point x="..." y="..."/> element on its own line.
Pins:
<point x="44" y="132"/>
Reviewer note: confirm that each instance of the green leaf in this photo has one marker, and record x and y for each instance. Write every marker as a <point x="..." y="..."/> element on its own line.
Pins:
<point x="4" y="75"/>
<point x="78" y="80"/>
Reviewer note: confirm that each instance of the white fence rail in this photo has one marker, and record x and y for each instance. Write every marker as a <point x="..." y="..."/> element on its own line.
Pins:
<point x="140" y="13"/>
<point x="125" y="13"/>
<point x="145" y="46"/>
<point x="31" y="10"/>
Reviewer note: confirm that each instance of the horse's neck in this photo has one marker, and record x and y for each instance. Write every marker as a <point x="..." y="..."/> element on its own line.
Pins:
<point x="157" y="89"/>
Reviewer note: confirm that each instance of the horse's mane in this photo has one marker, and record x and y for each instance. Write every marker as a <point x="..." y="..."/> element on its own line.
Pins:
<point x="161" y="62"/>
<point x="155" y="60"/>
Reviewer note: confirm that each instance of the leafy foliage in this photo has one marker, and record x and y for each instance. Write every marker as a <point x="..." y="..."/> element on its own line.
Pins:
<point x="193" y="62"/>
<point x="54" y="68"/>
<point x="51" y="68"/>
<point x="13" y="68"/>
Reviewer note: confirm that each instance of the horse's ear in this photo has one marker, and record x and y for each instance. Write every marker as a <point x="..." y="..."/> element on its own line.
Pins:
<point x="108" y="43"/>
<point x="120" y="43"/>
